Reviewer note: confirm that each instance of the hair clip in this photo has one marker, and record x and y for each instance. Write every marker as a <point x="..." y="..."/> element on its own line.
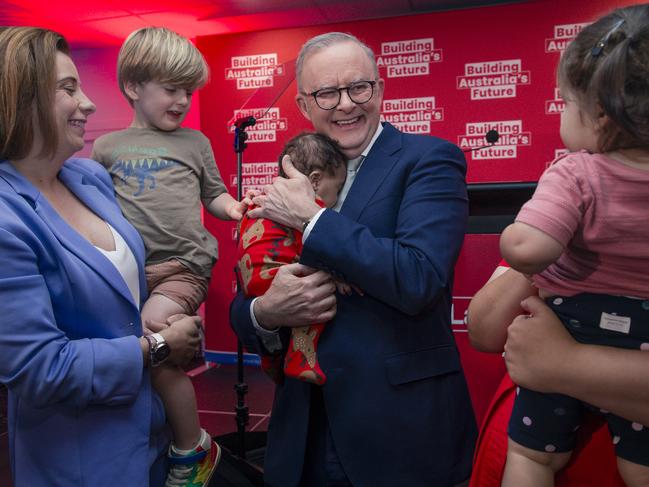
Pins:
<point x="599" y="47"/>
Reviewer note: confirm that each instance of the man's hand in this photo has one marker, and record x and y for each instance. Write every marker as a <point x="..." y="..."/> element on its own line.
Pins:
<point x="288" y="201"/>
<point x="538" y="348"/>
<point x="298" y="296"/>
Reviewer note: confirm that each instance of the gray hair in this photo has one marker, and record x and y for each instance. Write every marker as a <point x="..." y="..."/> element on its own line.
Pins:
<point x="323" y="41"/>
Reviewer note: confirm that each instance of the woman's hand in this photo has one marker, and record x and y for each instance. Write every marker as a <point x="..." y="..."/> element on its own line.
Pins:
<point x="538" y="347"/>
<point x="183" y="335"/>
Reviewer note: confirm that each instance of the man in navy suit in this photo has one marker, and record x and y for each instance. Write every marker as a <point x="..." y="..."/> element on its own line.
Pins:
<point x="395" y="410"/>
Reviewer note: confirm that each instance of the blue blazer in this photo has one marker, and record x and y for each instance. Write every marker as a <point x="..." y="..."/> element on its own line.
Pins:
<point x="395" y="397"/>
<point x="81" y="408"/>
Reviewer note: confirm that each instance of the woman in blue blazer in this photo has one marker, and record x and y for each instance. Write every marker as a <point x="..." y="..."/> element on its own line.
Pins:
<point x="81" y="408"/>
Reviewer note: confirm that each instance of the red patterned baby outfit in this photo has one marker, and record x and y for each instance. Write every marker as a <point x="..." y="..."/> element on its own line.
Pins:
<point x="264" y="246"/>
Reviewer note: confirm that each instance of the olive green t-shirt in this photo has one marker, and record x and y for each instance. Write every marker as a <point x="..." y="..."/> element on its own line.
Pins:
<point x="160" y="179"/>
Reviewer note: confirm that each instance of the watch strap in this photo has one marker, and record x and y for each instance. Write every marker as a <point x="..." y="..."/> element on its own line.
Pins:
<point x="159" y="339"/>
<point x="152" y="344"/>
<point x="156" y="341"/>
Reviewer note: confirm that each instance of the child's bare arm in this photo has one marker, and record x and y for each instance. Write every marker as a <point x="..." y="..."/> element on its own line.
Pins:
<point x="225" y="207"/>
<point x="347" y="289"/>
<point x="528" y="249"/>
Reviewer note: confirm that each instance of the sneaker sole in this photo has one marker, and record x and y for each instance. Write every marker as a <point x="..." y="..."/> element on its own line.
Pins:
<point x="217" y="460"/>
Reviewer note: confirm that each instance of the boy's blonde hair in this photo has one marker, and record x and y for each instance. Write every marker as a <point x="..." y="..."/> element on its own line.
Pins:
<point x="159" y="54"/>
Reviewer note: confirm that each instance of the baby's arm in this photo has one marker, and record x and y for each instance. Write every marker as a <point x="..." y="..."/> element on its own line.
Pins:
<point x="225" y="207"/>
<point x="528" y="249"/>
<point x="347" y="289"/>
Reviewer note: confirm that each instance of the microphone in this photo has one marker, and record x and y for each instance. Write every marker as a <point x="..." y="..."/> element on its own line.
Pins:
<point x="245" y="122"/>
<point x="491" y="137"/>
<point x="240" y="134"/>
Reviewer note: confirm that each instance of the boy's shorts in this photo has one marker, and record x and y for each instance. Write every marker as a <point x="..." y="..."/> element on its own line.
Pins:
<point x="175" y="281"/>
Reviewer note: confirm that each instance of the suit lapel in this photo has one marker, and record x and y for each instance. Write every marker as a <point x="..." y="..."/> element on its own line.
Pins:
<point x="68" y="236"/>
<point x="375" y="168"/>
<point x="90" y="195"/>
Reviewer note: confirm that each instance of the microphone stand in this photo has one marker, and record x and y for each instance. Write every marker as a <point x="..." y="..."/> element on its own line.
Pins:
<point x="236" y="464"/>
<point x="242" y="415"/>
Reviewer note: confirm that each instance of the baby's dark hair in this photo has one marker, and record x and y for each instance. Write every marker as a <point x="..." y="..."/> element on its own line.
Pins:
<point x="310" y="151"/>
<point x="606" y="69"/>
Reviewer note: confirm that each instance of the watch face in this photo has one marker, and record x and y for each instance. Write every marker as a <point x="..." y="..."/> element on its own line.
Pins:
<point x="161" y="352"/>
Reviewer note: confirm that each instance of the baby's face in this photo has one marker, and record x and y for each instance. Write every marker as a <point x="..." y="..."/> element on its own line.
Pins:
<point x="330" y="185"/>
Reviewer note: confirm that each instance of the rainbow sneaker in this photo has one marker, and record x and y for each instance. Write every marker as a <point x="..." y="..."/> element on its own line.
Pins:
<point x="196" y="468"/>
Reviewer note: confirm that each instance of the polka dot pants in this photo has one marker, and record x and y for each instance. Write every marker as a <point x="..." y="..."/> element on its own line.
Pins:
<point x="549" y="422"/>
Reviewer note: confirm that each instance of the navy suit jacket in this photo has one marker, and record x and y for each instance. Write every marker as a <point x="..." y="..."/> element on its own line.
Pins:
<point x="81" y="408"/>
<point x="395" y="397"/>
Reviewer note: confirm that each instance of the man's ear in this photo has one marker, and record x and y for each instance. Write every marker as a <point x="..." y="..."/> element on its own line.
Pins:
<point x="131" y="89"/>
<point x="380" y="88"/>
<point x="301" y="104"/>
<point x="314" y="178"/>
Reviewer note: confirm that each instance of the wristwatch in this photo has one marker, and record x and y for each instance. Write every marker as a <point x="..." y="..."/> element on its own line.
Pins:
<point x="158" y="349"/>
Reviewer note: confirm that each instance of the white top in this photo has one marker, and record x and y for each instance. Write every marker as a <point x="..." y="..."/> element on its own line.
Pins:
<point x="124" y="261"/>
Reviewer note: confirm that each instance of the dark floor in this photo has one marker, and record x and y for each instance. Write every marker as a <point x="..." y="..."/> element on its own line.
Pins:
<point x="217" y="398"/>
<point x="216" y="405"/>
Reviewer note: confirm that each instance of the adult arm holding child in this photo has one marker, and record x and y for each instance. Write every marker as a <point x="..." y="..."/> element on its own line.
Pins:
<point x="299" y="295"/>
<point x="541" y="355"/>
<point x="183" y="335"/>
<point x="496" y="305"/>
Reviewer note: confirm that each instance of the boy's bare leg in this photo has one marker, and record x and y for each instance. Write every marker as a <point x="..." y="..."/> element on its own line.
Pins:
<point x="530" y="467"/>
<point x="171" y="382"/>
<point x="177" y="394"/>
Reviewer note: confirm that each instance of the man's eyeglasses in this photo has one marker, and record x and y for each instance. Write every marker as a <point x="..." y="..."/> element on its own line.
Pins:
<point x="359" y="92"/>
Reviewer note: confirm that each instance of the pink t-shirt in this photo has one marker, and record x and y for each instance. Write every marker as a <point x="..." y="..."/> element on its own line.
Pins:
<point x="598" y="208"/>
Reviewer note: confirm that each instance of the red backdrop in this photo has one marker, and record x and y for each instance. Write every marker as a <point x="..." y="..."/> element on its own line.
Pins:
<point x="453" y="74"/>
